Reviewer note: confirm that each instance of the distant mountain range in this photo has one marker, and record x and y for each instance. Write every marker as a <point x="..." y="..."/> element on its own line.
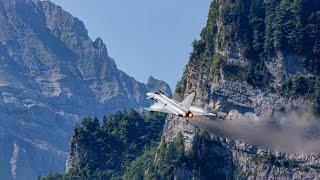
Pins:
<point x="51" y="75"/>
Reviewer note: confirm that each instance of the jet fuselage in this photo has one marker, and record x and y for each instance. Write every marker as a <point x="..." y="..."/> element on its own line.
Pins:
<point x="168" y="105"/>
<point x="171" y="104"/>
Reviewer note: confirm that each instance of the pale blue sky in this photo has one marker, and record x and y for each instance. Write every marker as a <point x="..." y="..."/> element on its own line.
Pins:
<point x="145" y="37"/>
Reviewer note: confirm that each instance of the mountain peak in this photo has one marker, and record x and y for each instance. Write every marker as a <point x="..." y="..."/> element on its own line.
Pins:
<point x="98" y="43"/>
<point x="154" y="84"/>
<point x="51" y="75"/>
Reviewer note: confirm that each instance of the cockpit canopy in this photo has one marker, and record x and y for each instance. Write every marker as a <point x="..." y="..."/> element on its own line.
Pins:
<point x="159" y="92"/>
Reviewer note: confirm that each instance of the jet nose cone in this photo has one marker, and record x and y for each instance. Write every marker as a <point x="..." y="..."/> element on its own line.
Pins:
<point x="149" y="94"/>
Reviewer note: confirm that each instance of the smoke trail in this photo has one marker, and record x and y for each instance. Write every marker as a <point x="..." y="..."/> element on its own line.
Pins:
<point x="294" y="132"/>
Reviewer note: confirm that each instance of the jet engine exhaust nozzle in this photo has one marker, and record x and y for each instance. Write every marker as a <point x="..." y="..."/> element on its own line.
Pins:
<point x="187" y="115"/>
<point x="184" y="114"/>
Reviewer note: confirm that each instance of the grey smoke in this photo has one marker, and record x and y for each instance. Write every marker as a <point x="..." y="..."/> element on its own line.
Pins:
<point x="291" y="132"/>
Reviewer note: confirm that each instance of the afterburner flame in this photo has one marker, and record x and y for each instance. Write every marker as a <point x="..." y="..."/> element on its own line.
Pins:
<point x="184" y="114"/>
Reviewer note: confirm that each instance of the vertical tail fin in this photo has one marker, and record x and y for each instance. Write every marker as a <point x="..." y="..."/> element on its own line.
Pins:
<point x="188" y="100"/>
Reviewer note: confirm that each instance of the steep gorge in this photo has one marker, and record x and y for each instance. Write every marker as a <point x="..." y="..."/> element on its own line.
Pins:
<point x="257" y="67"/>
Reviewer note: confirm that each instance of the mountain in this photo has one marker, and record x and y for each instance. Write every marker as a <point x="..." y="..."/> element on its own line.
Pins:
<point x="257" y="67"/>
<point x="154" y="85"/>
<point x="51" y="75"/>
<point x="256" y="60"/>
<point x="106" y="151"/>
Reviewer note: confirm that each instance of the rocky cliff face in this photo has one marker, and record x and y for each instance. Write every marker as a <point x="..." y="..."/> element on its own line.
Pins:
<point x="247" y="53"/>
<point x="51" y="75"/>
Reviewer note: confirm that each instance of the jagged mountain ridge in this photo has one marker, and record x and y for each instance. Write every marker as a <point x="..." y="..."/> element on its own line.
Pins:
<point x="51" y="75"/>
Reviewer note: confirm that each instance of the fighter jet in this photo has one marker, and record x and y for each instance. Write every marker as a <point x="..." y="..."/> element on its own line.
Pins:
<point x="183" y="109"/>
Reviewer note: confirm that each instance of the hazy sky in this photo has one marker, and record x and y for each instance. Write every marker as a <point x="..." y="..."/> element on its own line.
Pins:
<point x="145" y="37"/>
